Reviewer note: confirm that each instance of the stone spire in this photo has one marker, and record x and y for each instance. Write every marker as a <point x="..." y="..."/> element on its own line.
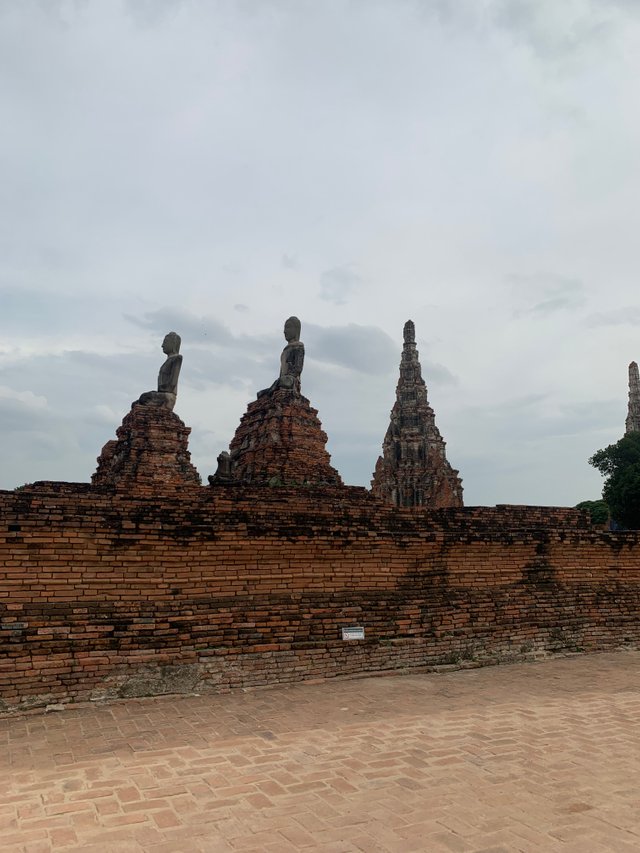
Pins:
<point x="633" y="414"/>
<point x="413" y="470"/>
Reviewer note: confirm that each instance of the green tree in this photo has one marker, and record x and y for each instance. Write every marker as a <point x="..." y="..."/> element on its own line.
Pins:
<point x="598" y="510"/>
<point x="620" y="465"/>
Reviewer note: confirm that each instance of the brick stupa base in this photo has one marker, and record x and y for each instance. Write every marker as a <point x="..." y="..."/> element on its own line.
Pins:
<point x="150" y="454"/>
<point x="280" y="440"/>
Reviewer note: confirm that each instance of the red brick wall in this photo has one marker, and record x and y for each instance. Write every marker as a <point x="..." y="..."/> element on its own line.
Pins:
<point x="107" y="595"/>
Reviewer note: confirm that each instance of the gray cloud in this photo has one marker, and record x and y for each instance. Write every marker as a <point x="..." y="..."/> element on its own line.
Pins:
<point x="158" y="158"/>
<point x="74" y="381"/>
<point x="200" y="330"/>
<point x="557" y="436"/>
<point x="365" y="349"/>
<point x="71" y="402"/>
<point x="361" y="348"/>
<point x="546" y="293"/>
<point x="629" y="315"/>
<point x="544" y="418"/>
<point x="42" y="432"/>
<point x="337" y="285"/>
<point x="437" y="374"/>
<point x="150" y="13"/>
<point x="553" y="31"/>
<point x="559" y="303"/>
<point x="20" y="410"/>
<point x="522" y="405"/>
<point x="32" y="310"/>
<point x="77" y="399"/>
<point x="233" y="367"/>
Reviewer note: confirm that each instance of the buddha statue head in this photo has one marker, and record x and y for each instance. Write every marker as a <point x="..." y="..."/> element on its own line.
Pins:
<point x="292" y="330"/>
<point x="171" y="343"/>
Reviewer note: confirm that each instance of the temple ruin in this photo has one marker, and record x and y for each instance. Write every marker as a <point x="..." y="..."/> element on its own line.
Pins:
<point x="280" y="440"/>
<point x="145" y="582"/>
<point x="632" y="423"/>
<point x="151" y="448"/>
<point x="413" y="470"/>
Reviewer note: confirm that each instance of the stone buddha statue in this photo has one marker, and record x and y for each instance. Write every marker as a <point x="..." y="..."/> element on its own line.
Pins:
<point x="224" y="472"/>
<point x="291" y="360"/>
<point x="165" y="396"/>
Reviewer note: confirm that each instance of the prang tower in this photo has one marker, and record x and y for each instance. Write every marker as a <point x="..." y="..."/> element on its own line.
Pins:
<point x="633" y="412"/>
<point x="413" y="470"/>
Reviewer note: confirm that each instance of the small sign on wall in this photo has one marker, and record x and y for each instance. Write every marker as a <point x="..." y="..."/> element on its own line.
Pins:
<point x="354" y="632"/>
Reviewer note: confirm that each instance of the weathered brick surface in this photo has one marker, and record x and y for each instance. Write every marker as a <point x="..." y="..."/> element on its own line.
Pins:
<point x="527" y="758"/>
<point x="150" y="452"/>
<point x="413" y="470"/>
<point x="104" y="593"/>
<point x="632" y="424"/>
<point x="280" y="439"/>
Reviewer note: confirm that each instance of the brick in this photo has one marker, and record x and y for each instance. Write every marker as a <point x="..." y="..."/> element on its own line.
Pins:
<point x="280" y="440"/>
<point x="413" y="470"/>
<point x="241" y="586"/>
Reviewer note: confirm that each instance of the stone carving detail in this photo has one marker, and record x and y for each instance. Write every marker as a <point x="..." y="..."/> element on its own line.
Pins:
<point x="291" y="360"/>
<point x="224" y="472"/>
<point x="165" y="396"/>
<point x="413" y="470"/>
<point x="633" y="413"/>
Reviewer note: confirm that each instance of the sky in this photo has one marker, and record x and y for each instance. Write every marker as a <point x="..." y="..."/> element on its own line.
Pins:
<point x="214" y="166"/>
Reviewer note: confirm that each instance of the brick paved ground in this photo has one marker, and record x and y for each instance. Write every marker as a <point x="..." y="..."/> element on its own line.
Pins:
<point x="531" y="757"/>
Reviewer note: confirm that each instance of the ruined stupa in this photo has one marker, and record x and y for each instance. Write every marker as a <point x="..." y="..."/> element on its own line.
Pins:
<point x="633" y="412"/>
<point x="280" y="440"/>
<point x="413" y="470"/>
<point x="151" y="452"/>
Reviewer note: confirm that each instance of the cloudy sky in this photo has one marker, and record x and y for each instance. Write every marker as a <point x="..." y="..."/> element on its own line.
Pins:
<point x="213" y="166"/>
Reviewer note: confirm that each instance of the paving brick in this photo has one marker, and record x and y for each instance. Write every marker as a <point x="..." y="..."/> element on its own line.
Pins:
<point x="62" y="837"/>
<point x="577" y="717"/>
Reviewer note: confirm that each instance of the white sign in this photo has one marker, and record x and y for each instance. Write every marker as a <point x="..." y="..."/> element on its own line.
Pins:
<point x="355" y="632"/>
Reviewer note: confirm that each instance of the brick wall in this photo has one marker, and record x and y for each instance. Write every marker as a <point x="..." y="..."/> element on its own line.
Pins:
<point x="104" y="594"/>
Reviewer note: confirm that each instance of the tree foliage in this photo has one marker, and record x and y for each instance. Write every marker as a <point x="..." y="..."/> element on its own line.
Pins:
<point x="620" y="465"/>
<point x="598" y="510"/>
